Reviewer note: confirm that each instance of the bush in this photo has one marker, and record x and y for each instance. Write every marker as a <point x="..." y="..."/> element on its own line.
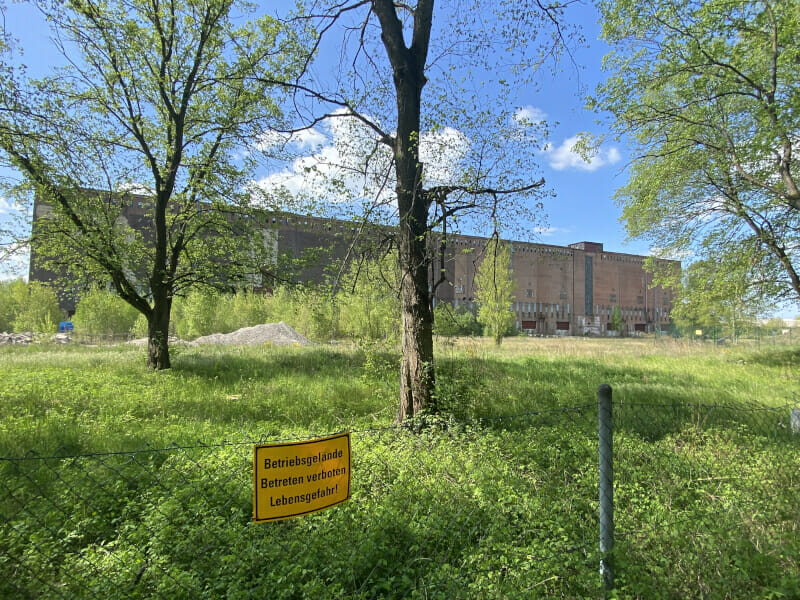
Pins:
<point x="204" y="312"/>
<point x="460" y="321"/>
<point x="100" y="312"/>
<point x="369" y="306"/>
<point x="35" y="308"/>
<point x="12" y="294"/>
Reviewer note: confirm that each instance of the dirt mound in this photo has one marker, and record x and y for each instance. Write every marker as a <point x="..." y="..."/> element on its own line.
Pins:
<point x="275" y="334"/>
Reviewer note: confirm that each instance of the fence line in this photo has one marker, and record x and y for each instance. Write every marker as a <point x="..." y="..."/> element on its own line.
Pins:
<point x="502" y="507"/>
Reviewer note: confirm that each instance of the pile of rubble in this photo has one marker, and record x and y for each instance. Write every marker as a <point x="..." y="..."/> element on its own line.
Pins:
<point x="15" y="338"/>
<point x="29" y="337"/>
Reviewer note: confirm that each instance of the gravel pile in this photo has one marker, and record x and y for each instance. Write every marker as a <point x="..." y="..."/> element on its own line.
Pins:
<point x="275" y="334"/>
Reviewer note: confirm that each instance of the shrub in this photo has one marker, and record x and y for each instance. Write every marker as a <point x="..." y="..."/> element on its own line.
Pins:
<point x="36" y="309"/>
<point x="100" y="312"/>
<point x="12" y="294"/>
<point x="460" y="321"/>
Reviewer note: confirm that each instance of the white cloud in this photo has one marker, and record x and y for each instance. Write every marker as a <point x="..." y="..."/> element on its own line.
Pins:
<point x="6" y="207"/>
<point x="14" y="260"/>
<point x="142" y="189"/>
<point x="566" y="156"/>
<point x="550" y="231"/>
<point x="306" y="139"/>
<point x="443" y="154"/>
<point x="528" y="115"/>
<point x="347" y="162"/>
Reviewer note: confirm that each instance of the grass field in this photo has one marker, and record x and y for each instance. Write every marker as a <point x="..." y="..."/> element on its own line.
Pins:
<point x="497" y="500"/>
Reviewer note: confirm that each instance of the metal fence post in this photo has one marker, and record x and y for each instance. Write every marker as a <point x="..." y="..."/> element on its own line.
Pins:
<point x="606" y="431"/>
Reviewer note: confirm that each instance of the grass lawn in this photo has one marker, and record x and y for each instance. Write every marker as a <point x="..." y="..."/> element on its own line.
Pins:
<point x="497" y="500"/>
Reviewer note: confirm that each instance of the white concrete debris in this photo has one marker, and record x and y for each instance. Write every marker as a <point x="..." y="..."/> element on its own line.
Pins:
<point x="15" y="338"/>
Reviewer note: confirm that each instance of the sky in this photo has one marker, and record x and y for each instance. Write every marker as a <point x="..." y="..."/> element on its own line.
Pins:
<point x="582" y="208"/>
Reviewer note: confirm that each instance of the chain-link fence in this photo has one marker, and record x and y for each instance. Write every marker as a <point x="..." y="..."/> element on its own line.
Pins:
<point x="706" y="501"/>
<point x="705" y="505"/>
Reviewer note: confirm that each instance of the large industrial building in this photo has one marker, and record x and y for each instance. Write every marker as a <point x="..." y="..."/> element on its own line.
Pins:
<point x="561" y="290"/>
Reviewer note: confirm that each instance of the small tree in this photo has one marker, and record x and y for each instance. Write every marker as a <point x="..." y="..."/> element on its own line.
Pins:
<point x="493" y="289"/>
<point x="615" y="322"/>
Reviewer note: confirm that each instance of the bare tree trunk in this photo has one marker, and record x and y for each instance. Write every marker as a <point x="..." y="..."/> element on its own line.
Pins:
<point x="417" y="377"/>
<point x="158" y="331"/>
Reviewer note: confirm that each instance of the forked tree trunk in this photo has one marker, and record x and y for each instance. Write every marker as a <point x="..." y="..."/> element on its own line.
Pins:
<point x="408" y="67"/>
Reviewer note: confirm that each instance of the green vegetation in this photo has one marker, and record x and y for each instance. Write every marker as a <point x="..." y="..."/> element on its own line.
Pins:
<point x="102" y="312"/>
<point x="706" y="90"/>
<point x="494" y="286"/>
<point x="615" y="322"/>
<point x="28" y="307"/>
<point x="502" y="507"/>
<point x="452" y="322"/>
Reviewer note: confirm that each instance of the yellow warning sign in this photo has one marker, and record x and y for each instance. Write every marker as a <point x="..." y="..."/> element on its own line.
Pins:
<point x="297" y="478"/>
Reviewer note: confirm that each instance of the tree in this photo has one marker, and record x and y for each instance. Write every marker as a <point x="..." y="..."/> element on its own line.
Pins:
<point x="708" y="92"/>
<point x="163" y="99"/>
<point x="395" y="51"/>
<point x="615" y="321"/>
<point x="493" y="288"/>
<point x="723" y="291"/>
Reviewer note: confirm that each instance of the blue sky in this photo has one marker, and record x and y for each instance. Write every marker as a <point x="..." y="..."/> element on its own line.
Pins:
<point x="582" y="208"/>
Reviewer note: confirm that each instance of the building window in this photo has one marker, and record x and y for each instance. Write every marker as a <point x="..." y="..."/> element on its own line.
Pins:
<point x="529" y="293"/>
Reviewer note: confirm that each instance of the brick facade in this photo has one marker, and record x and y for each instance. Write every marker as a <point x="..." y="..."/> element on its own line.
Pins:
<point x="561" y="290"/>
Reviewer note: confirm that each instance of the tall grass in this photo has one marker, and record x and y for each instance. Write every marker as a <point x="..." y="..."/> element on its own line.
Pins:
<point x="78" y="399"/>
<point x="474" y="507"/>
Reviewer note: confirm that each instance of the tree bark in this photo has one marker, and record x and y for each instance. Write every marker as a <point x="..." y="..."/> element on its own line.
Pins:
<point x="417" y="378"/>
<point x="417" y="375"/>
<point x="158" y="330"/>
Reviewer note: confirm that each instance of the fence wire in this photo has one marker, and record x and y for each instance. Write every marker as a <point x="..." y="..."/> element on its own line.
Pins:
<point x="500" y="508"/>
<point x="706" y="500"/>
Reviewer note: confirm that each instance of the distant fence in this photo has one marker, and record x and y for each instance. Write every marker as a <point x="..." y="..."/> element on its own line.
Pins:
<point x="704" y="504"/>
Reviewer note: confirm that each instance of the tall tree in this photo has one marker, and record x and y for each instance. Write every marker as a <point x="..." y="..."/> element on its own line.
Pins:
<point x="494" y="285"/>
<point x="708" y="92"/>
<point x="162" y="98"/>
<point x="423" y="82"/>
<point x="725" y="289"/>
